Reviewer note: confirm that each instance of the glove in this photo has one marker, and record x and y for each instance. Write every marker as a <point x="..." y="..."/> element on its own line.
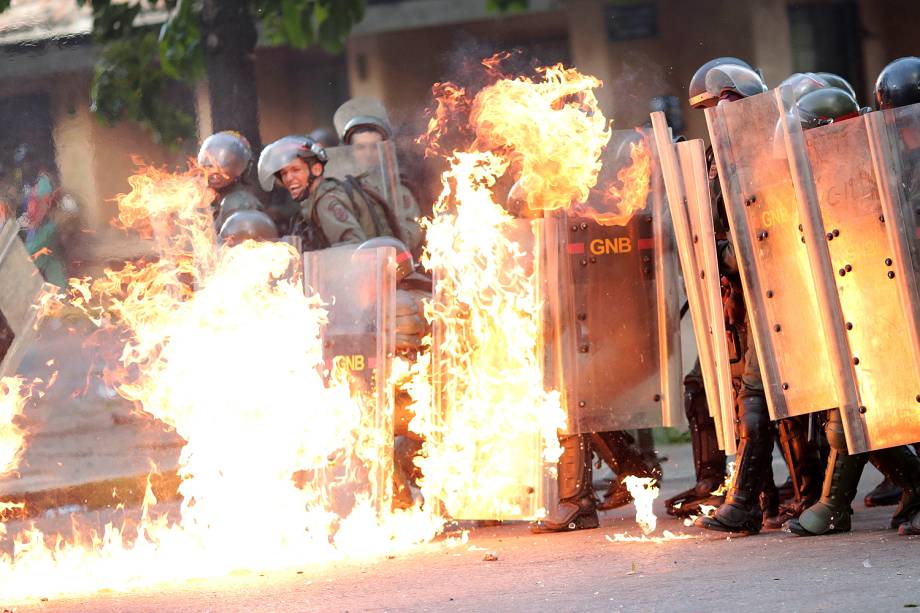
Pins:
<point x="411" y="326"/>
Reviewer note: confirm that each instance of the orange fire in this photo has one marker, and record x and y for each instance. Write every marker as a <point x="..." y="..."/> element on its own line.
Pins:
<point x="492" y="427"/>
<point x="620" y="203"/>
<point x="13" y="396"/>
<point x="193" y="318"/>
<point x="194" y="314"/>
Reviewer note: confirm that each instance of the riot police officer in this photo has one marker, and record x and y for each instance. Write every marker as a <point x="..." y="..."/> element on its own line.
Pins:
<point x="898" y="84"/>
<point x="330" y="213"/>
<point x="362" y="123"/>
<point x="227" y="157"/>
<point x="720" y="81"/>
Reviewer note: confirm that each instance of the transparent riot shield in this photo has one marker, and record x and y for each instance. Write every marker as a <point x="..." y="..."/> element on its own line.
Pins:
<point x="854" y="173"/>
<point x="20" y="286"/>
<point x="359" y="287"/>
<point x="613" y="300"/>
<point x="486" y="449"/>
<point x="801" y="352"/>
<point x="687" y="184"/>
<point x="374" y="166"/>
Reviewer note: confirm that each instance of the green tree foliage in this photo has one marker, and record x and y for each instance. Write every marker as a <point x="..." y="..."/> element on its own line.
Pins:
<point x="149" y="46"/>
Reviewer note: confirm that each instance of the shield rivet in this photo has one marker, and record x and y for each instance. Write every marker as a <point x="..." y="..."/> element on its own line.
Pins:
<point x="830" y="236"/>
<point x="656" y="397"/>
<point x="917" y="398"/>
<point x="593" y="260"/>
<point x="849" y="325"/>
<point x="583" y="349"/>
<point x="582" y="403"/>
<point x="891" y="274"/>
<point x="574" y="228"/>
<point x="769" y="293"/>
<point x="836" y="232"/>
<point x="856" y="361"/>
<point x="881" y="218"/>
<point x="862" y="410"/>
<point x="777" y="328"/>
<point x="848" y="268"/>
<point x="888" y="262"/>
<point x="785" y="386"/>
<point x="842" y="272"/>
<point x="582" y="316"/>
<point x="762" y="235"/>
<point x="584" y="226"/>
<point x="584" y="262"/>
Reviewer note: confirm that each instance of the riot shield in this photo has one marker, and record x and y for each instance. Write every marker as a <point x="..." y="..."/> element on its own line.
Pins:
<point x="856" y="174"/>
<point x="20" y="286"/>
<point x="686" y="181"/>
<point x="783" y="270"/>
<point x="486" y="438"/>
<point x="613" y="303"/>
<point x="359" y="287"/>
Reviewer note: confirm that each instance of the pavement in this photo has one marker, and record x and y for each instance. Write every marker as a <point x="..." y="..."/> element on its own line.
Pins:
<point x="869" y="569"/>
<point x="90" y="451"/>
<point x="86" y="446"/>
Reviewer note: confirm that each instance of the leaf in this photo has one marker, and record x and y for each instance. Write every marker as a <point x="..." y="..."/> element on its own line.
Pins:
<point x="181" y="54"/>
<point x="505" y="6"/>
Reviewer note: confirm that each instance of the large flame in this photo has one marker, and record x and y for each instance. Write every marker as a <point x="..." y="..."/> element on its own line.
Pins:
<point x="192" y="319"/>
<point x="486" y="450"/>
<point x="279" y="463"/>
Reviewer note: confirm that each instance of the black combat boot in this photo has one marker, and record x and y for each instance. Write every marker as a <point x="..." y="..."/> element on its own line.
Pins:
<point x="708" y="459"/>
<point x="577" y="508"/>
<point x="741" y="511"/>
<point x="903" y="468"/>
<point x="803" y="459"/>
<point x="832" y="511"/>
<point x="620" y="452"/>
<point x="885" y="494"/>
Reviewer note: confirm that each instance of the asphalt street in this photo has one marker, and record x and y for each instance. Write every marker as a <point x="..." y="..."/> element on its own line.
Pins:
<point x="869" y="569"/>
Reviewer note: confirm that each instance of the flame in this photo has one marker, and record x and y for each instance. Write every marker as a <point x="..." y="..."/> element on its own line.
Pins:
<point x="621" y="203"/>
<point x="553" y="135"/>
<point x="726" y="483"/>
<point x="644" y="491"/>
<point x="485" y="453"/>
<point x="191" y="318"/>
<point x="14" y="392"/>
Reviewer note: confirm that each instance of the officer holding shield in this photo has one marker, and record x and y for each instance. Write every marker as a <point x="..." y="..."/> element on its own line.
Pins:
<point x="362" y="123"/>
<point x="723" y="81"/>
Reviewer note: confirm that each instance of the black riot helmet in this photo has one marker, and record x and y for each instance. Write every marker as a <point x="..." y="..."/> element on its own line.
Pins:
<point x="801" y="83"/>
<point x="835" y="80"/>
<point x="826" y="105"/>
<point x="238" y="200"/>
<point x="898" y="84"/>
<point x="226" y="155"/>
<point x="248" y="225"/>
<point x="697" y="92"/>
<point x="405" y="263"/>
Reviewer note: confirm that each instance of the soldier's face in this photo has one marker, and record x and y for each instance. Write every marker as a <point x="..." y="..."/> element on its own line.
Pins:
<point x="218" y="178"/>
<point x="296" y="178"/>
<point x="365" y="149"/>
